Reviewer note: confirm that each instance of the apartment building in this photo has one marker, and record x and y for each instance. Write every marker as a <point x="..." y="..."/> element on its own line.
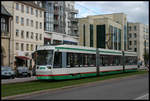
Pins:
<point x="138" y="38"/>
<point x="6" y="20"/>
<point x="27" y="30"/>
<point x="56" y="23"/>
<point x="104" y="31"/>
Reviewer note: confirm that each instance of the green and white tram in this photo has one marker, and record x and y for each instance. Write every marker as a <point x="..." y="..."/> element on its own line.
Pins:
<point x="71" y="62"/>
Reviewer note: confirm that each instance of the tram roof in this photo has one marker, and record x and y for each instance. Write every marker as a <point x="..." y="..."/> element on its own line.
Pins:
<point x="82" y="49"/>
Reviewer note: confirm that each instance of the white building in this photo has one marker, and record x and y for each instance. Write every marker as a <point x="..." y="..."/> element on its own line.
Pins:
<point x="27" y="30"/>
<point x="138" y="38"/>
<point x="60" y="22"/>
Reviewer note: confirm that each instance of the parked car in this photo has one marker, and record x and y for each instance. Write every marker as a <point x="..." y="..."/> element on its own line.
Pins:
<point x="7" y="72"/>
<point x="23" y="72"/>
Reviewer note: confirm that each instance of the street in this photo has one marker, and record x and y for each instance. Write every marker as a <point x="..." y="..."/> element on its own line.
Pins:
<point x="134" y="88"/>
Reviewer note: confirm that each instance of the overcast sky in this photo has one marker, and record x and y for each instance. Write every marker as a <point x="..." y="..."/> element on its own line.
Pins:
<point x="137" y="11"/>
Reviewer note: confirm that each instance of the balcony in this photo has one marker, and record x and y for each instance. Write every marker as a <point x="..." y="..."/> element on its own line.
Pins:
<point x="56" y="12"/>
<point x="74" y="11"/>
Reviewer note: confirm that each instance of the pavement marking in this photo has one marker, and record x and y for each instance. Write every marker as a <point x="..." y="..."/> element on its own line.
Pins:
<point x="143" y="97"/>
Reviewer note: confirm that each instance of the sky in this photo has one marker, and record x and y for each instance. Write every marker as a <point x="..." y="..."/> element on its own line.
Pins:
<point x="136" y="11"/>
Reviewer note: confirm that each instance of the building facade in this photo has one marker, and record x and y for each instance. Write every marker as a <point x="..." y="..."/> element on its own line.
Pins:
<point x="104" y="31"/>
<point x="138" y="38"/>
<point x="6" y="20"/>
<point x="56" y="23"/>
<point x="27" y="30"/>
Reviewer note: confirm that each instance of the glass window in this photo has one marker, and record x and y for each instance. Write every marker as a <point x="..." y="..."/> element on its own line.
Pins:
<point x="135" y="42"/>
<point x="27" y="9"/>
<point x="22" y="21"/>
<point x="17" y="33"/>
<point x="32" y="35"/>
<point x="22" y="47"/>
<point x="27" y="22"/>
<point x="40" y="13"/>
<point x="130" y="42"/>
<point x="36" y="11"/>
<point x="135" y="28"/>
<point x="40" y="36"/>
<point x="17" y="6"/>
<point x="22" y="8"/>
<point x="32" y="11"/>
<point x="130" y="60"/>
<point x="27" y="34"/>
<point x="36" y="25"/>
<point x="17" y="19"/>
<point x="134" y="35"/>
<point x="36" y="36"/>
<point x="22" y="34"/>
<point x="3" y="25"/>
<point x="17" y="46"/>
<point x="31" y="23"/>
<point x="45" y="57"/>
<point x="27" y="47"/>
<point x="31" y="47"/>
<point x="57" y="60"/>
<point x="40" y="25"/>
<point x="135" y="49"/>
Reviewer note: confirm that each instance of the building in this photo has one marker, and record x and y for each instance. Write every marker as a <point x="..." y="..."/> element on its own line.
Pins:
<point x="56" y="23"/>
<point x="104" y="31"/>
<point x="6" y="20"/>
<point x="138" y="38"/>
<point x="27" y="30"/>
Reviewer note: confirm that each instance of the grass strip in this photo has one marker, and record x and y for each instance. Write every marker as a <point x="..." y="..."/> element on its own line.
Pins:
<point x="27" y="87"/>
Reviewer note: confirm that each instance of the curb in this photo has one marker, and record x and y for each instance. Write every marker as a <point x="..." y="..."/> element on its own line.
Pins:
<point x="66" y="87"/>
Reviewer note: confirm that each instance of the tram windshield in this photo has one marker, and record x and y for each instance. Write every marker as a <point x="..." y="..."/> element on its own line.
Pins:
<point x="44" y="57"/>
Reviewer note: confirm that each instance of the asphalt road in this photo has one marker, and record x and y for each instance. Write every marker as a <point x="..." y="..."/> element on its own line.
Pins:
<point x="133" y="88"/>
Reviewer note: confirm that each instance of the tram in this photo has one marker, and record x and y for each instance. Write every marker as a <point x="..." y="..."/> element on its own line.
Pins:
<point x="71" y="62"/>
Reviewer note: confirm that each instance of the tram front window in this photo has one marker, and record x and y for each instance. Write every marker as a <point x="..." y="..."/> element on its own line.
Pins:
<point x="44" y="57"/>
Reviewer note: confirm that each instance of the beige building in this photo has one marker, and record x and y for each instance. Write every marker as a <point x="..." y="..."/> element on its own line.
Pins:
<point x="6" y="20"/>
<point x="27" y="30"/>
<point x="104" y="31"/>
<point x="138" y="38"/>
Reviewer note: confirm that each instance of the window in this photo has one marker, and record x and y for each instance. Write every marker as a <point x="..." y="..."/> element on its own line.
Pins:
<point x="27" y="22"/>
<point x="22" y="8"/>
<point x="17" y="33"/>
<point x="17" y="19"/>
<point x="40" y="36"/>
<point x="129" y="28"/>
<point x="36" y="36"/>
<point x="31" y="35"/>
<point x="130" y="35"/>
<point x="27" y="9"/>
<point x="135" y="49"/>
<point x="36" y="25"/>
<point x="32" y="11"/>
<point x="40" y="25"/>
<point x="40" y="13"/>
<point x="31" y="23"/>
<point x="22" y="34"/>
<point x="17" y="6"/>
<point x="135" y="28"/>
<point x="36" y="11"/>
<point x="135" y="42"/>
<point x="130" y="42"/>
<point x="17" y="46"/>
<point x="3" y="25"/>
<point x="27" y="34"/>
<point x="22" y="47"/>
<point x="31" y="47"/>
<point x="134" y="35"/>
<point x="27" y="47"/>
<point x="22" y="21"/>
<point x="58" y="60"/>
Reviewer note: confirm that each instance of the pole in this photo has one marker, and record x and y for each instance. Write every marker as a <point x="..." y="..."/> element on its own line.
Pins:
<point x="145" y="53"/>
<point x="123" y="61"/>
<point x="97" y="62"/>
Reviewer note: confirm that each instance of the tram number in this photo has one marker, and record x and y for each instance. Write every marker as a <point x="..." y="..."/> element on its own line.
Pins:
<point x="42" y="67"/>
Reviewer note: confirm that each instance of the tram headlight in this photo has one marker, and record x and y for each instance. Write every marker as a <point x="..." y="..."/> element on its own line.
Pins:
<point x="49" y="67"/>
<point x="37" y="67"/>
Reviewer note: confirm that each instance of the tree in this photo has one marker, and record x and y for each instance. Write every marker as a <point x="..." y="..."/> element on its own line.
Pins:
<point x="146" y="58"/>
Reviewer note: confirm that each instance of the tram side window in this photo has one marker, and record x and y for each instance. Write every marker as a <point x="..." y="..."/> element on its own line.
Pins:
<point x="131" y="60"/>
<point x="58" y="60"/>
